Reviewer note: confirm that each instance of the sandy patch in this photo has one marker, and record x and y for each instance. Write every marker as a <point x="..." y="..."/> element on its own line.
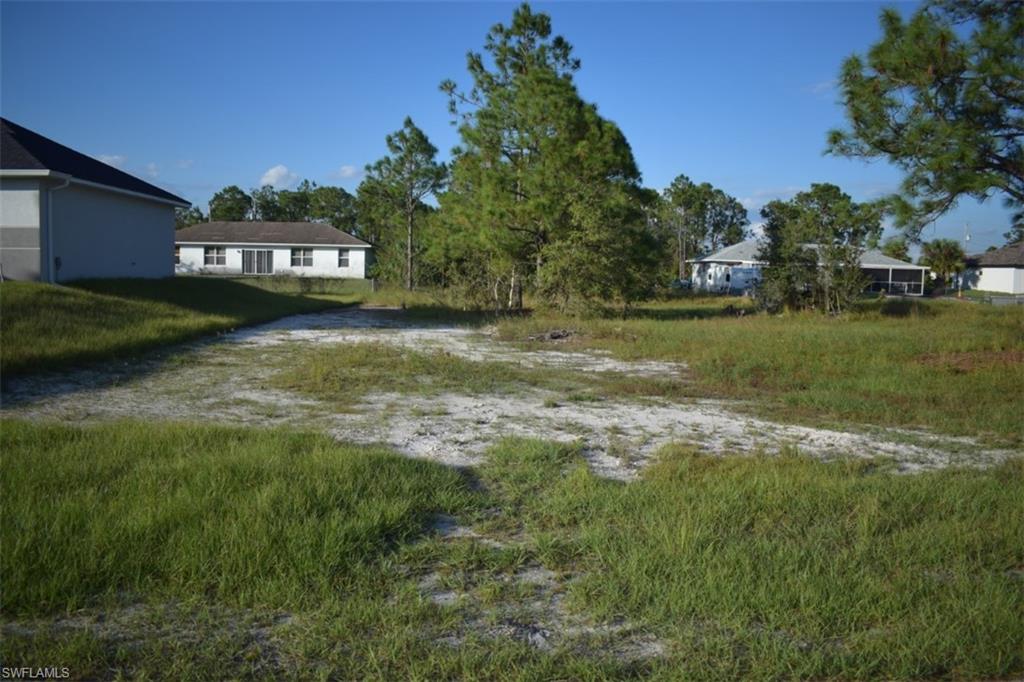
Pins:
<point x="225" y="381"/>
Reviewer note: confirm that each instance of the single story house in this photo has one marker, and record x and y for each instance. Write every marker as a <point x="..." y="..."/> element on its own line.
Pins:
<point x="66" y="216"/>
<point x="224" y="247"/>
<point x="737" y="268"/>
<point x="1000" y="270"/>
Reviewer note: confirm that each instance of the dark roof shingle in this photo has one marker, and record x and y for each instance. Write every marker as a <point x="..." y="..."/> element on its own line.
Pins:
<point x="1008" y="256"/>
<point x="245" y="232"/>
<point x="23" y="149"/>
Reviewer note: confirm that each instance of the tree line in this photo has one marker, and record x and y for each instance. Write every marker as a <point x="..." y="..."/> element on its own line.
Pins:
<point x="543" y="195"/>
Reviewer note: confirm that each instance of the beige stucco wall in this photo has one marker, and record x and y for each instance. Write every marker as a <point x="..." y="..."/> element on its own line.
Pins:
<point x="21" y="215"/>
<point x="98" y="233"/>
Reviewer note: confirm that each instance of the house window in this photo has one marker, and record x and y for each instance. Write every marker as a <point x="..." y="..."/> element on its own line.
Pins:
<point x="342" y="258"/>
<point x="177" y="255"/>
<point x="215" y="255"/>
<point x="302" y="258"/>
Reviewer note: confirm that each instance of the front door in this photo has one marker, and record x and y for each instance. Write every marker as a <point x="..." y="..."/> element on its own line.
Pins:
<point x="257" y="262"/>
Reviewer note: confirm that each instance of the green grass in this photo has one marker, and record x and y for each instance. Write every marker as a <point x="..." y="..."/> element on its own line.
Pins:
<point x="772" y="568"/>
<point x="245" y="517"/>
<point x="48" y="327"/>
<point x="320" y="286"/>
<point x="230" y="553"/>
<point x="344" y="374"/>
<point x="946" y="366"/>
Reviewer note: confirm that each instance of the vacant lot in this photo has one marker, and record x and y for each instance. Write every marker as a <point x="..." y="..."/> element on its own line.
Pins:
<point x="656" y="496"/>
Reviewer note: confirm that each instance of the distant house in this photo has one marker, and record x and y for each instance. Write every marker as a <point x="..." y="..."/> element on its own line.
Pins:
<point x="1000" y="270"/>
<point x="266" y="248"/>
<point x="737" y="268"/>
<point x="66" y="216"/>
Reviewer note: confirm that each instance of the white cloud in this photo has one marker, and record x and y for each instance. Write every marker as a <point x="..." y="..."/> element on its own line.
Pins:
<point x="115" y="160"/>
<point x="279" y="177"/>
<point x="185" y="164"/>
<point x="348" y="172"/>
<point x="760" y="197"/>
<point x="756" y="230"/>
<point x="152" y="170"/>
<point x="822" y="87"/>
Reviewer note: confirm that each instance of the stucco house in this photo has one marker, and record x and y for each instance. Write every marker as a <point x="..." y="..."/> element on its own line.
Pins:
<point x="737" y="268"/>
<point x="66" y="216"/>
<point x="270" y="248"/>
<point x="1000" y="270"/>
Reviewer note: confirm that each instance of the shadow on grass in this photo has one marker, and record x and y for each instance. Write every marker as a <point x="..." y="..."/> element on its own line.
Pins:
<point x="48" y="327"/>
<point x="433" y="314"/>
<point x="181" y="317"/>
<point x="205" y="295"/>
<point x="902" y="307"/>
<point x="695" y="312"/>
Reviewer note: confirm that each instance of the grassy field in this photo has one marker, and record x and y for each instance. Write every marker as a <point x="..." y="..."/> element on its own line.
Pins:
<point x="953" y="367"/>
<point x="175" y="551"/>
<point x="47" y="327"/>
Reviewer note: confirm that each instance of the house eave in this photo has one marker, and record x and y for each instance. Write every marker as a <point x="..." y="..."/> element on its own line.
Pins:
<point x="45" y="173"/>
<point x="269" y="244"/>
<point x="32" y="173"/>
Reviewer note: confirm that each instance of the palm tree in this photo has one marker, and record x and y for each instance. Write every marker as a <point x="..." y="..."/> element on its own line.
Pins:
<point x="945" y="257"/>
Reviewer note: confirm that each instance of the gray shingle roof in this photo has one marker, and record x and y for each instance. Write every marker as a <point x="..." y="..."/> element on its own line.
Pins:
<point x="744" y="251"/>
<point x="1007" y="257"/>
<point x="747" y="252"/>
<point x="246" y="232"/>
<point x="23" y="149"/>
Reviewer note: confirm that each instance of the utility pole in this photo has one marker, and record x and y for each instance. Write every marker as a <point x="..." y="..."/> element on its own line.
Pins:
<point x="960" y="275"/>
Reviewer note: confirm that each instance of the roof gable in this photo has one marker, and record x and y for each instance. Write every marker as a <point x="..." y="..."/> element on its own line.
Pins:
<point x="248" y="232"/>
<point x="23" y="149"/>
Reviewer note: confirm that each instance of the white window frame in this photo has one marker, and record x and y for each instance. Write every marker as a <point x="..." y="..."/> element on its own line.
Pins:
<point x="215" y="255"/>
<point x="304" y="258"/>
<point x="344" y="258"/>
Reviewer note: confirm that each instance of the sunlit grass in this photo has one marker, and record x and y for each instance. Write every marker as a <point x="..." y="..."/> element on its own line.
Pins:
<point x="953" y="367"/>
<point x="779" y="568"/>
<point x="746" y="567"/>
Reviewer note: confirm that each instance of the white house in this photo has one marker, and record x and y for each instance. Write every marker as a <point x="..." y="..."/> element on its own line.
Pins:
<point x="1001" y="270"/>
<point x="66" y="216"/>
<point x="737" y="268"/>
<point x="266" y="248"/>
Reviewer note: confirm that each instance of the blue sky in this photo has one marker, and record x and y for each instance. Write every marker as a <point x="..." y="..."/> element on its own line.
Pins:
<point x="196" y="96"/>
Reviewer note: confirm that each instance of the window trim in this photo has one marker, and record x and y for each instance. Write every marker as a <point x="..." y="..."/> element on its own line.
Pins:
<point x="345" y="255"/>
<point x="177" y="255"/>
<point x="300" y="255"/>
<point x="217" y="254"/>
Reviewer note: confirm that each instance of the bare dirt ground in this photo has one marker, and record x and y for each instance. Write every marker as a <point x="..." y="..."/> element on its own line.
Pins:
<point x="225" y="380"/>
